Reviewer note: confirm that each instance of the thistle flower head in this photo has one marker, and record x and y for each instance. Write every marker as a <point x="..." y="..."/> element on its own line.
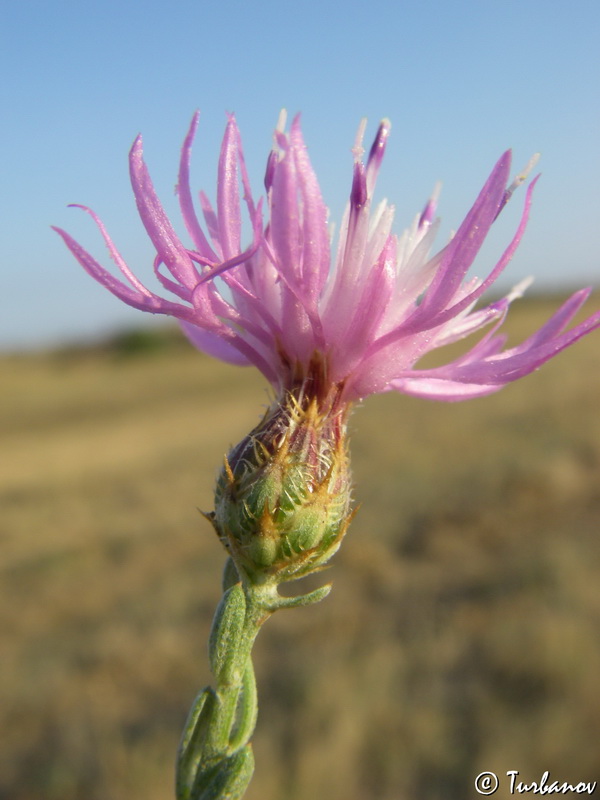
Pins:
<point x="365" y="310"/>
<point x="282" y="502"/>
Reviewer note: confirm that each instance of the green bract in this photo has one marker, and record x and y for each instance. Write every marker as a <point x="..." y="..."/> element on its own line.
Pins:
<point x="282" y="502"/>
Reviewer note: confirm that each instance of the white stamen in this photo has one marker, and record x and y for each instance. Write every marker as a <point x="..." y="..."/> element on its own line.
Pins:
<point x="435" y="194"/>
<point x="281" y="121"/>
<point x="518" y="180"/>
<point x="520" y="289"/>
<point x="358" y="150"/>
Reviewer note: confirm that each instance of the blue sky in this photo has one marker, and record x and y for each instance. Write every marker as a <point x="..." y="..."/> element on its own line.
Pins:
<point x="461" y="81"/>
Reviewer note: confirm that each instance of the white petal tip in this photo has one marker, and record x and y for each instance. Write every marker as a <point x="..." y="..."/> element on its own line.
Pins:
<point x="522" y="176"/>
<point x="281" y="121"/>
<point x="520" y="289"/>
<point x="358" y="150"/>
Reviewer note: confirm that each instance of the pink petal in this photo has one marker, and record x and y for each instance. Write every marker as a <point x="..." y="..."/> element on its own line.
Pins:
<point x="186" y="202"/>
<point x="446" y="390"/>
<point x="557" y="321"/>
<point x="114" y="253"/>
<point x="315" y="236"/>
<point x="494" y="274"/>
<point x="228" y="194"/>
<point x="463" y="248"/>
<point x="156" y="222"/>
<point x="213" y="345"/>
<point x="144" y="302"/>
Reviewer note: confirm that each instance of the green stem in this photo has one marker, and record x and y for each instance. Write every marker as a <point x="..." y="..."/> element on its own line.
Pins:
<point x="215" y="760"/>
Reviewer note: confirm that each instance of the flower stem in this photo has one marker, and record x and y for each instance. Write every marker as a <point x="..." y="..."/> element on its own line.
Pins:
<point x="215" y="760"/>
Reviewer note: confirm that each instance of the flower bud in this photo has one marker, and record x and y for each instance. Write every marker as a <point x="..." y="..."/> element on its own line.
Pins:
<point x="282" y="502"/>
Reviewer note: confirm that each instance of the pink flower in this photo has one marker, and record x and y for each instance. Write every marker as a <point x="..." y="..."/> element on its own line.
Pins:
<point x="354" y="322"/>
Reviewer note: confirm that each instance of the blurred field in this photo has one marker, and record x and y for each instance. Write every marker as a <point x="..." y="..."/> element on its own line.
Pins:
<point x="462" y="633"/>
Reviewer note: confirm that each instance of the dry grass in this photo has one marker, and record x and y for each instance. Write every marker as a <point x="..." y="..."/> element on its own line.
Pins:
<point x="462" y="633"/>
